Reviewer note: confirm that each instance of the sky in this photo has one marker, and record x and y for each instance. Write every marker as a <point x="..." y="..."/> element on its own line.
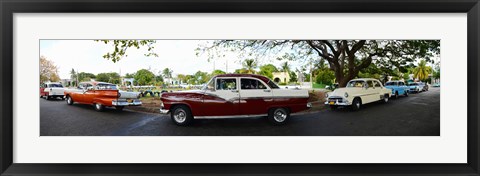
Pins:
<point x="177" y="55"/>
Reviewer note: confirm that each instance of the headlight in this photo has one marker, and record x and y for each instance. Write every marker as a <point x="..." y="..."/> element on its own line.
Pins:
<point x="326" y="95"/>
<point x="346" y="94"/>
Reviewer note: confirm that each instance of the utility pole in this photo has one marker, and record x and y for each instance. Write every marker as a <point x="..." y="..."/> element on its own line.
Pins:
<point x="226" y="66"/>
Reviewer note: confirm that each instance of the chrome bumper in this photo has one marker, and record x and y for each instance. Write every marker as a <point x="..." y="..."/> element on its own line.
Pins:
<point x="309" y="105"/>
<point x="164" y="111"/>
<point x="336" y="103"/>
<point x="126" y="103"/>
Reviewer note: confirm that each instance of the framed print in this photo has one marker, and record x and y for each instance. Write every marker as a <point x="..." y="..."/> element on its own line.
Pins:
<point x="239" y="87"/>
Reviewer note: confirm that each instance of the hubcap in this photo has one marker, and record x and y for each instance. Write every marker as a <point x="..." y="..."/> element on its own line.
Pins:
<point x="386" y="99"/>
<point x="279" y="115"/>
<point x="69" y="100"/>
<point x="357" y="104"/>
<point x="180" y="115"/>
<point x="98" y="106"/>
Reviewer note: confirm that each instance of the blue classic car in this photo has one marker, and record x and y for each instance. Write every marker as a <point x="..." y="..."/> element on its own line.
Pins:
<point x="415" y="87"/>
<point x="398" y="88"/>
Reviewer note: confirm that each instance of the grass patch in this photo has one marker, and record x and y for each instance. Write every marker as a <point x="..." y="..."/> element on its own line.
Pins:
<point x="319" y="86"/>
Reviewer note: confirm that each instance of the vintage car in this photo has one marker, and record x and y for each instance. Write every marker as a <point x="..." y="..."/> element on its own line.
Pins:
<point x="235" y="96"/>
<point x="415" y="87"/>
<point x="358" y="92"/>
<point x="101" y="95"/>
<point x="51" y="90"/>
<point x="425" y="86"/>
<point x="398" y="88"/>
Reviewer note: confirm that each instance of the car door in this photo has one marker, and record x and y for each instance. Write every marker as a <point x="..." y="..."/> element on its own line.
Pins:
<point x="255" y="96"/>
<point x="89" y="94"/>
<point x="379" y="89"/>
<point x="223" y="100"/>
<point x="370" y="93"/>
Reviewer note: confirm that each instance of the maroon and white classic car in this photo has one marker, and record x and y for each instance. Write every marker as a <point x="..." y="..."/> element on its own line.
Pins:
<point x="235" y="96"/>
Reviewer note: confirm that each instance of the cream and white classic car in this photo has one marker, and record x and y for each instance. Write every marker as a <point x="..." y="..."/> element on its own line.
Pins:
<point x="358" y="92"/>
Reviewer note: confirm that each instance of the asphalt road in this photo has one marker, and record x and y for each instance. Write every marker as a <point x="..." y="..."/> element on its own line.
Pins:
<point x="416" y="115"/>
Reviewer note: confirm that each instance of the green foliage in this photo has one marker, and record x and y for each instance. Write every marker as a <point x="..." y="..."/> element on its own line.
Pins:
<point x="82" y="76"/>
<point x="293" y="76"/>
<point x="111" y="77"/>
<point x="217" y="72"/>
<point x="325" y="77"/>
<point x="129" y="75"/>
<point x="201" y="77"/>
<point x="267" y="70"/>
<point x="241" y="71"/>
<point x="436" y="74"/>
<point x="167" y="73"/>
<point x="120" y="48"/>
<point x="250" y="65"/>
<point x="422" y="70"/>
<point x="144" y="77"/>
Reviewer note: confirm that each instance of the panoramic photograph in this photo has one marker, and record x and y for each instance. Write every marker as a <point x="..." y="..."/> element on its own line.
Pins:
<point x="239" y="87"/>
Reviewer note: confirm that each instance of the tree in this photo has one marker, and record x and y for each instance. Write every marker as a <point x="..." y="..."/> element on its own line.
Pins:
<point x="201" y="77"/>
<point x="129" y="75"/>
<point x="120" y="48"/>
<point x="241" y="71"/>
<point x="167" y="73"/>
<point x="325" y="77"/>
<point x="48" y="71"/>
<point x="293" y="76"/>
<point x="103" y="77"/>
<point x="250" y="65"/>
<point x="267" y="70"/>
<point x="111" y="77"/>
<point x="346" y="58"/>
<point x="144" y="77"/>
<point x="217" y="72"/>
<point x="422" y="71"/>
<point x="73" y="77"/>
<point x="285" y="67"/>
<point x="82" y="76"/>
<point x="436" y="73"/>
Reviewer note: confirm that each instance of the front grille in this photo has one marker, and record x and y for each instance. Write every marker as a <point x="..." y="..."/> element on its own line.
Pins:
<point x="340" y="100"/>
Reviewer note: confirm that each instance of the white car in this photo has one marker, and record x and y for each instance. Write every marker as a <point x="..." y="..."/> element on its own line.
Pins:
<point x="51" y="90"/>
<point x="358" y="92"/>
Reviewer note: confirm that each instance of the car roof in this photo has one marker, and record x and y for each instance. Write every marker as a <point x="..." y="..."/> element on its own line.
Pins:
<point x="263" y="78"/>
<point x="95" y="82"/>
<point x="364" y="79"/>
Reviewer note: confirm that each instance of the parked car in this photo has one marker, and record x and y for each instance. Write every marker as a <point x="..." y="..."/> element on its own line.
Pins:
<point x="398" y="88"/>
<point x="51" y="90"/>
<point x="358" y="92"/>
<point x="415" y="87"/>
<point x="436" y="85"/>
<point x="235" y="96"/>
<point x="101" y="95"/>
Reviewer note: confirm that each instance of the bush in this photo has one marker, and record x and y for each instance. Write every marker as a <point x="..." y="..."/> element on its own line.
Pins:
<point x="282" y="84"/>
<point x="325" y="77"/>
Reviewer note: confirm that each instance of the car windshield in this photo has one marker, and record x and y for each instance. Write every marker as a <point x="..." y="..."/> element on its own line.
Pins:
<point x="56" y="85"/>
<point x="391" y="84"/>
<point x="356" y="83"/>
<point x="106" y="87"/>
<point x="413" y="84"/>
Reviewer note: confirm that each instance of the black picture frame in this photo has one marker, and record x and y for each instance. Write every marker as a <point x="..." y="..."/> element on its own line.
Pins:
<point x="9" y="7"/>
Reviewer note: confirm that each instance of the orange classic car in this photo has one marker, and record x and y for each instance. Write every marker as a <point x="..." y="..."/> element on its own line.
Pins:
<point x="101" y="95"/>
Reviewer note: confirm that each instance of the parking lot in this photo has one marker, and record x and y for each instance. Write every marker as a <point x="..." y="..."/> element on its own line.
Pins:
<point x="416" y="115"/>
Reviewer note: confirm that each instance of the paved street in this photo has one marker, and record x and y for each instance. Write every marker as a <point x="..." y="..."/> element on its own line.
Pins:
<point x="416" y="115"/>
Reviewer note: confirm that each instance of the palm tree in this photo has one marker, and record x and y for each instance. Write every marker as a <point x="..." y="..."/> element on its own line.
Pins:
<point x="73" y="77"/>
<point x="250" y="65"/>
<point x="422" y="70"/>
<point x="285" y="67"/>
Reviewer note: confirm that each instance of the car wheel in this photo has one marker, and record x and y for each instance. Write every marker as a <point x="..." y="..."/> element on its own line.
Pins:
<point x="181" y="115"/>
<point x="333" y="107"/>
<point x="356" y="104"/>
<point x="385" y="98"/>
<point x="98" y="107"/>
<point x="119" y="108"/>
<point x="396" y="95"/>
<point x="278" y="116"/>
<point x="406" y="93"/>
<point x="69" y="100"/>
<point x="47" y="97"/>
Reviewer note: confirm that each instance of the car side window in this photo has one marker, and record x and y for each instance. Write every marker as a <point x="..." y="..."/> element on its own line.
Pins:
<point x="370" y="84"/>
<point x="378" y="84"/>
<point x="246" y="83"/>
<point x="89" y="87"/>
<point x="226" y="84"/>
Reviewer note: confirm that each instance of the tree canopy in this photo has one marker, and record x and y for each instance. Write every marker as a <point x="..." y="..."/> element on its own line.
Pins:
<point x="48" y="71"/>
<point x="120" y="48"/>
<point x="144" y="77"/>
<point x="346" y="58"/>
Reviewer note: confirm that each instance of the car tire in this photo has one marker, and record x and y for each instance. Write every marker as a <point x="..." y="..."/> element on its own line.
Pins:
<point x="119" y="108"/>
<point x="278" y="116"/>
<point x="47" y="97"/>
<point x="98" y="107"/>
<point x="396" y="94"/>
<point x="181" y="115"/>
<point x="385" y="98"/>
<point x="356" y="104"/>
<point x="69" y="100"/>
<point x="406" y="93"/>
